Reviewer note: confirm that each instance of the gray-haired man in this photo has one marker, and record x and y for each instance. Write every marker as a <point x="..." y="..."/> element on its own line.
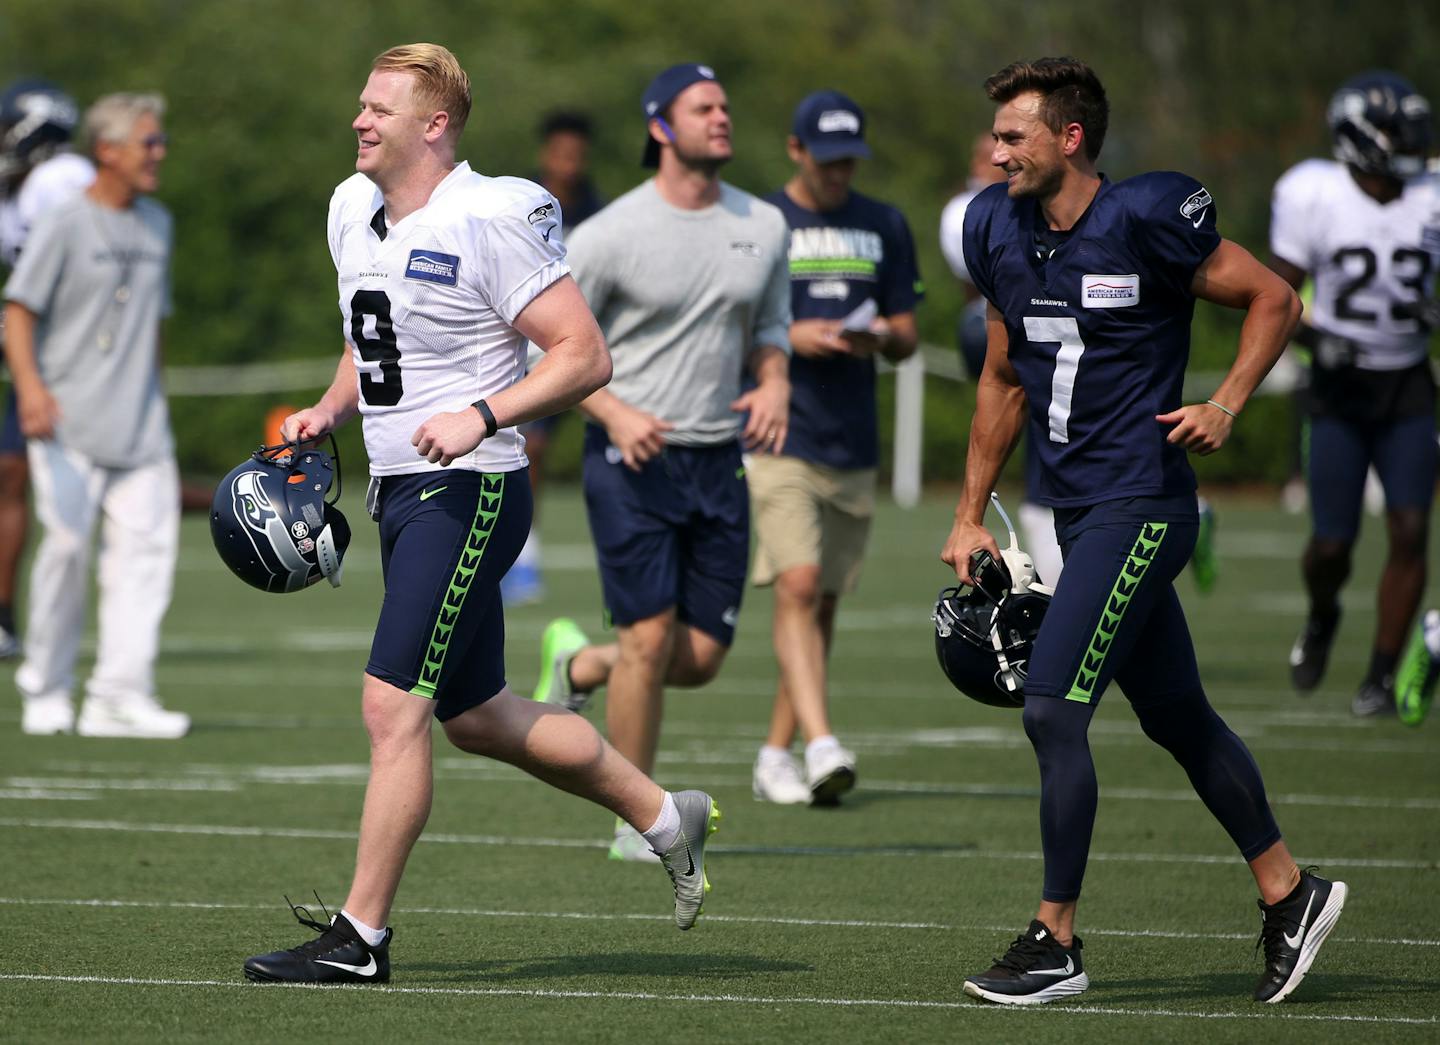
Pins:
<point x="83" y="311"/>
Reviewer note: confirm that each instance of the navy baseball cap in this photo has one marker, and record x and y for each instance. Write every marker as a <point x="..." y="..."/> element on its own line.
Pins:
<point x="662" y="91"/>
<point x="831" y="127"/>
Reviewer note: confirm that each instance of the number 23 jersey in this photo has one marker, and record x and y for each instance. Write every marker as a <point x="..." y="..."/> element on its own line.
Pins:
<point x="1372" y="262"/>
<point x="1099" y="331"/>
<point x="428" y="304"/>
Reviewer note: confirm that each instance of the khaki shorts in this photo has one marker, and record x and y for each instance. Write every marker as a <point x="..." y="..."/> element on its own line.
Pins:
<point x="807" y="514"/>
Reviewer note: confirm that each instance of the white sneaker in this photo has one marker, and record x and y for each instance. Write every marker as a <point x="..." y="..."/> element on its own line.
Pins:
<point x="830" y="772"/>
<point x="133" y="716"/>
<point x="46" y="716"/>
<point x="777" y="779"/>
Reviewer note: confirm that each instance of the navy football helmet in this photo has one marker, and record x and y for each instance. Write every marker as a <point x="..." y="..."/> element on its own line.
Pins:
<point x="36" y="119"/>
<point x="1381" y="125"/>
<point x="272" y="524"/>
<point x="984" y="632"/>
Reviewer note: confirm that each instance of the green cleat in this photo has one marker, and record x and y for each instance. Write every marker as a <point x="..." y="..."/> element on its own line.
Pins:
<point x="561" y="640"/>
<point x="684" y="861"/>
<point x="1204" y="562"/>
<point x="1419" y="671"/>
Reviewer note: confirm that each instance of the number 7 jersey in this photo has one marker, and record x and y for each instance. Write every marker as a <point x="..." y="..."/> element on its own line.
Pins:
<point x="1099" y="331"/>
<point x="427" y="305"/>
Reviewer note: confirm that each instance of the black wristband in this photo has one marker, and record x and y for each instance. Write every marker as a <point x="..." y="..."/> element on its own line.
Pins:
<point x="488" y="416"/>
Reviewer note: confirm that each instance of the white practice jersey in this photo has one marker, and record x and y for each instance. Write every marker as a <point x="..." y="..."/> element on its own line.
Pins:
<point x="428" y="309"/>
<point x="1370" y="261"/>
<point x="61" y="177"/>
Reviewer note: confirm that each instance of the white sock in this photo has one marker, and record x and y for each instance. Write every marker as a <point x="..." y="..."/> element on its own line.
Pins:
<point x="530" y="553"/>
<point x="819" y="744"/>
<point x="770" y="754"/>
<point x="666" y="829"/>
<point x="374" y="937"/>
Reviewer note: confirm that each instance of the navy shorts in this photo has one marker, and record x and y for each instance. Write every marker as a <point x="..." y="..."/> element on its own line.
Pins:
<point x="676" y="533"/>
<point x="1115" y="614"/>
<point x="11" y="441"/>
<point x="446" y="539"/>
<point x="1403" y="452"/>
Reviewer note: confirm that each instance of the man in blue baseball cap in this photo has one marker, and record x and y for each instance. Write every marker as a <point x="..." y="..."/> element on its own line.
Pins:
<point x="854" y="285"/>
<point x="656" y="102"/>
<point x="689" y="279"/>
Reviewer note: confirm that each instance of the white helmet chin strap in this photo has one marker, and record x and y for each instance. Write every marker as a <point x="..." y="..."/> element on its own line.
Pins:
<point x="328" y="557"/>
<point x="1020" y="565"/>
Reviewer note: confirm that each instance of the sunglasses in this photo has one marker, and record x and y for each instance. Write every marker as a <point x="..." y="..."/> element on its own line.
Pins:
<point x="155" y="141"/>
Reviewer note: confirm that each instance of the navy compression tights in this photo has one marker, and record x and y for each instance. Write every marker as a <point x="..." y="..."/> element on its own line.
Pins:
<point x="1216" y="760"/>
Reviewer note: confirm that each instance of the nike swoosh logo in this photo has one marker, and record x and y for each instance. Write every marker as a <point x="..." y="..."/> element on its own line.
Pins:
<point x="425" y="495"/>
<point x="1294" y="941"/>
<point x="1197" y="221"/>
<point x="690" y="857"/>
<point x="1069" y="968"/>
<point x="359" y="970"/>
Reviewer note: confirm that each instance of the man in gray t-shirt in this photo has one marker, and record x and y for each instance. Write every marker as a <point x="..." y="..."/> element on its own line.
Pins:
<point x="83" y="311"/>
<point x="689" y="279"/>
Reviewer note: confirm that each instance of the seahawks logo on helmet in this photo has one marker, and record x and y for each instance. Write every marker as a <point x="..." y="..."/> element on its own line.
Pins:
<point x="257" y="520"/>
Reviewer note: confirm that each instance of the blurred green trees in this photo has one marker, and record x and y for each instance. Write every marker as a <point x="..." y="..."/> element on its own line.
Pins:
<point x="261" y="93"/>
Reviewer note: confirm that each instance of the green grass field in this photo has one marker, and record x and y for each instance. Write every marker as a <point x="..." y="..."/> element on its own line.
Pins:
<point x="138" y="875"/>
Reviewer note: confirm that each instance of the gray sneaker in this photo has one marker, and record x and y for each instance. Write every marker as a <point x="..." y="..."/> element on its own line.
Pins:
<point x="684" y="861"/>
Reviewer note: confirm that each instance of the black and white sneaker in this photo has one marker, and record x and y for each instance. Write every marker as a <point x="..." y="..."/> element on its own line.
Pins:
<point x="1035" y="969"/>
<point x="337" y="955"/>
<point x="1311" y="651"/>
<point x="1292" y="931"/>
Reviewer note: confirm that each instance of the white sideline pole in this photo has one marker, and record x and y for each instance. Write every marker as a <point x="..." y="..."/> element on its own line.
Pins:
<point x="909" y="430"/>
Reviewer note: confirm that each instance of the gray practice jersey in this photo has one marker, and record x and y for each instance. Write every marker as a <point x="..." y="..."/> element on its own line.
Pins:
<point x="683" y="297"/>
<point x="99" y="281"/>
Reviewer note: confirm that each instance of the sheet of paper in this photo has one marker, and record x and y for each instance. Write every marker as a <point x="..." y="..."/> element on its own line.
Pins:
<point x="862" y="317"/>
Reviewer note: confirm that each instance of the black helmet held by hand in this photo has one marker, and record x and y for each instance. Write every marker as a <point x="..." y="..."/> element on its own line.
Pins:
<point x="984" y="633"/>
<point x="272" y="524"/>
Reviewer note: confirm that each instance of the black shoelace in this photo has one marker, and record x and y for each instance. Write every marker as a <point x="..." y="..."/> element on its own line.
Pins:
<point x="320" y="944"/>
<point x="1024" y="953"/>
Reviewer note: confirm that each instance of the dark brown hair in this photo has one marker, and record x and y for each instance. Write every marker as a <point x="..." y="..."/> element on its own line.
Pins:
<point x="1070" y="92"/>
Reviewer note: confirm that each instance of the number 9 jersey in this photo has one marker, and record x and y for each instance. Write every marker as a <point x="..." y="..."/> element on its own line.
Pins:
<point x="428" y="304"/>
<point x="1098" y="319"/>
<point x="1373" y="263"/>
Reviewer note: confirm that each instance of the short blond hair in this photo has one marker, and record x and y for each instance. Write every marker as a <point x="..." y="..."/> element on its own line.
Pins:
<point x="112" y="118"/>
<point x="440" y="83"/>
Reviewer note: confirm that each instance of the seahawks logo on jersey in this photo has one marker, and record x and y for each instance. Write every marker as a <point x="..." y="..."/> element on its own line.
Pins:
<point x="542" y="220"/>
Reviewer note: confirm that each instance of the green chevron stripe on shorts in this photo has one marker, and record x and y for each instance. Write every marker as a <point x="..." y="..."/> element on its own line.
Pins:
<point x="1136" y="563"/>
<point x="487" y="510"/>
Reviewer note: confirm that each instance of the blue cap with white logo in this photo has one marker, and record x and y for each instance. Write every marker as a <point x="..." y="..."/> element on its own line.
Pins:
<point x="831" y="127"/>
<point x="663" y="90"/>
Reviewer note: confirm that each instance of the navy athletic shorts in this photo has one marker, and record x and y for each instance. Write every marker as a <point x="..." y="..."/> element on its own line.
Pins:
<point x="1115" y="614"/>
<point x="676" y="533"/>
<point x="11" y="441"/>
<point x="1403" y="452"/>
<point x="446" y="539"/>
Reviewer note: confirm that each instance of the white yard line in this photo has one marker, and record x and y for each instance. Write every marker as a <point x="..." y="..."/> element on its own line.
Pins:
<point x="539" y="842"/>
<point x="1073" y="1009"/>
<point x="593" y="916"/>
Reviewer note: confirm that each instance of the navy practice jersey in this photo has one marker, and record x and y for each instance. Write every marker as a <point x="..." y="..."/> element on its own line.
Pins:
<point x="1100" y="333"/>
<point x="838" y="260"/>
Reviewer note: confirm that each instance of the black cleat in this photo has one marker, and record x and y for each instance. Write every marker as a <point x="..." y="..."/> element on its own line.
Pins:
<point x="337" y="955"/>
<point x="1311" y="651"/>
<point x="1035" y="969"/>
<point x="1293" y="930"/>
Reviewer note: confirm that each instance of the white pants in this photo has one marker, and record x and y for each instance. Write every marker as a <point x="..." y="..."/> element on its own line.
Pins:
<point x="139" y="541"/>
